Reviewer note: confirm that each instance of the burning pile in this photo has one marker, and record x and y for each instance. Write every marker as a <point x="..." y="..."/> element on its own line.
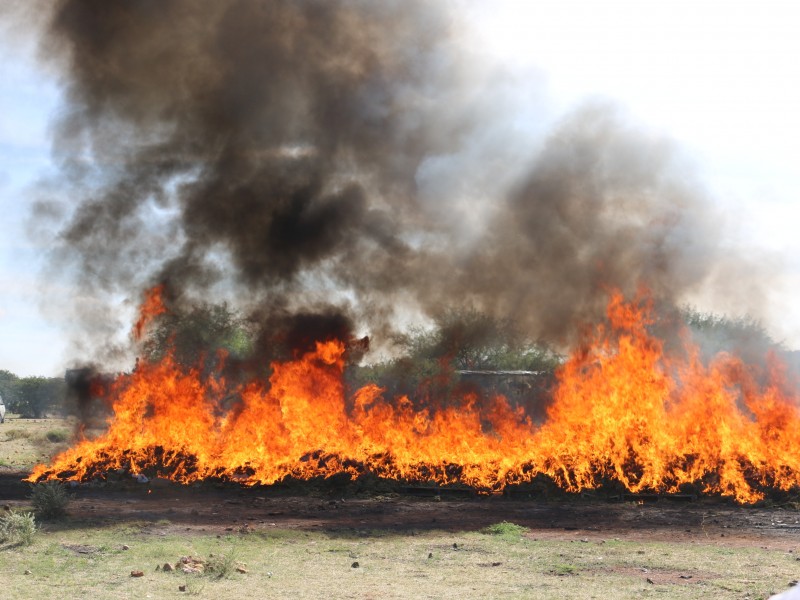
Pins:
<point x="349" y="166"/>
<point x="622" y="412"/>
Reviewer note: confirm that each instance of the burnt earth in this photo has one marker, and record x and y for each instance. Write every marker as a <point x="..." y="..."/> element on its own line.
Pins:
<point x="223" y="508"/>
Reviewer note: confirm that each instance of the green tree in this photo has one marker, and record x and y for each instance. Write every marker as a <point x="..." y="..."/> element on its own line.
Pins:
<point x="8" y="389"/>
<point x="743" y="336"/>
<point x="37" y="396"/>
<point x="471" y="340"/>
<point x="195" y="338"/>
<point x="460" y="340"/>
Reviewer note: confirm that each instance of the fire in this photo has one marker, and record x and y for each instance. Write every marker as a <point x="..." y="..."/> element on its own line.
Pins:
<point x="623" y="411"/>
<point x="152" y="306"/>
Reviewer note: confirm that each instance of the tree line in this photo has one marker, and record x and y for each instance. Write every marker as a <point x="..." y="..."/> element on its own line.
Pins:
<point x="33" y="397"/>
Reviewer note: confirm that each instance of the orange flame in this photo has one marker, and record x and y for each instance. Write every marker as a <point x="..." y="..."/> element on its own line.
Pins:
<point x="151" y="307"/>
<point x="625" y="412"/>
<point x="622" y="412"/>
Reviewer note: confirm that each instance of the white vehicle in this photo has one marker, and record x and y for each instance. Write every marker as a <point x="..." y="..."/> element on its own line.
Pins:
<point x="2" y="410"/>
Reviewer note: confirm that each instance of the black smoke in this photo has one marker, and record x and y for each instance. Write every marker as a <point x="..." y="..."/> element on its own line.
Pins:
<point x="278" y="153"/>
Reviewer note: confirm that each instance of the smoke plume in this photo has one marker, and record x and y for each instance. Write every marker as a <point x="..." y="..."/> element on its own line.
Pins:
<point x="342" y="163"/>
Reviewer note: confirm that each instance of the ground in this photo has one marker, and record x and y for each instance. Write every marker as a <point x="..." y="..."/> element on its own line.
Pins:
<point x="323" y="541"/>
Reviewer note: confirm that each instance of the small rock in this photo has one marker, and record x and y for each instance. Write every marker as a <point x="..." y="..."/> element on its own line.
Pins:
<point x="137" y="573"/>
<point x="241" y="569"/>
<point x="28" y="572"/>
<point x="126" y="547"/>
<point x="181" y="588"/>
<point x="793" y="583"/>
<point x="167" y="568"/>
<point x="686" y="576"/>
<point x="430" y="554"/>
<point x="355" y="565"/>
<point x="585" y="540"/>
<point x="455" y="546"/>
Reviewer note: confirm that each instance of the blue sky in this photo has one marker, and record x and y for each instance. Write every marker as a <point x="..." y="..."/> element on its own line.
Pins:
<point x="31" y="345"/>
<point x="720" y="78"/>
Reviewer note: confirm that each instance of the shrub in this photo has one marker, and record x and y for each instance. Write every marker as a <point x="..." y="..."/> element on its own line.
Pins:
<point x="17" y="434"/>
<point x="18" y="528"/>
<point x="50" y="499"/>
<point x="56" y="436"/>
<point x="220" y="566"/>
<point x="505" y="529"/>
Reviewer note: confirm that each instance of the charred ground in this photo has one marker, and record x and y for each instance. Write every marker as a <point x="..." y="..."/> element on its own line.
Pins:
<point x="367" y="505"/>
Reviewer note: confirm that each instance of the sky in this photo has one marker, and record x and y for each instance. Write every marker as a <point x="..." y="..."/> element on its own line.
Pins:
<point x="721" y="79"/>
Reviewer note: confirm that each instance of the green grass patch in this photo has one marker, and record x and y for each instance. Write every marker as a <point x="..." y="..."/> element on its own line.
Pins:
<point x="56" y="436"/>
<point x="565" y="569"/>
<point x="506" y="529"/>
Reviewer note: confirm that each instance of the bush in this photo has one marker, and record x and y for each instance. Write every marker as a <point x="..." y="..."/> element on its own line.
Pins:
<point x="50" y="499"/>
<point x="505" y="529"/>
<point x="220" y="566"/>
<point x="56" y="436"/>
<point x="17" y="434"/>
<point x="17" y="528"/>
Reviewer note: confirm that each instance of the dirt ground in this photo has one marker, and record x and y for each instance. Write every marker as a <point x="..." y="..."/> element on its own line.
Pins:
<point x="225" y="508"/>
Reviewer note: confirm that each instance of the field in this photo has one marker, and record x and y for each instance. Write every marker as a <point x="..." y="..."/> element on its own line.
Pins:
<point x="220" y="541"/>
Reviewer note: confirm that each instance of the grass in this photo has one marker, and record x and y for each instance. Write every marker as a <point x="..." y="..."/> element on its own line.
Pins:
<point x="74" y="558"/>
<point x="302" y="564"/>
<point x="26" y="442"/>
<point x="506" y="530"/>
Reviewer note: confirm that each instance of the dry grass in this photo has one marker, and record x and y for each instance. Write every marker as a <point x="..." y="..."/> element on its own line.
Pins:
<point x="26" y="442"/>
<point x="304" y="565"/>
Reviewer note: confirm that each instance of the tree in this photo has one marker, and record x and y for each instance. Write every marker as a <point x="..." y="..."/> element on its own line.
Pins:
<point x="461" y="340"/>
<point x="743" y="336"/>
<point x="8" y="389"/>
<point x="196" y="338"/>
<point x="36" y="396"/>
<point x="471" y="340"/>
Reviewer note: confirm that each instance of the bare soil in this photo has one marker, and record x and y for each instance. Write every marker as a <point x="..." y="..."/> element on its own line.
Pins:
<point x="225" y="508"/>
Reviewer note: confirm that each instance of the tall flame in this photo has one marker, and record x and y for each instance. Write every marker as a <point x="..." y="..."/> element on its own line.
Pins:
<point x="622" y="412"/>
